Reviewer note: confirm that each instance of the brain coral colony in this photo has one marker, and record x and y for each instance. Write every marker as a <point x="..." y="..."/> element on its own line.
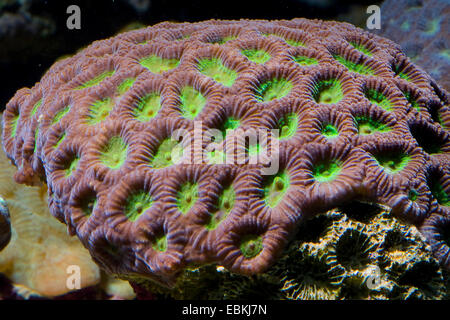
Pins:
<point x="357" y="121"/>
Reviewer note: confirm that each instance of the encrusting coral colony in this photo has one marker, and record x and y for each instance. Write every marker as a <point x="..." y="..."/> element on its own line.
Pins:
<point x="357" y="121"/>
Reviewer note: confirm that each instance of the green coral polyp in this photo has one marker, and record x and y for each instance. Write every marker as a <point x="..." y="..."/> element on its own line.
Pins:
<point x="288" y="125"/>
<point x="187" y="196"/>
<point x="253" y="149"/>
<point x="404" y="76"/>
<point x="216" y="157"/>
<point x="328" y="91"/>
<point x="125" y="85"/>
<point x="231" y="123"/>
<point x="14" y="122"/>
<point x="114" y="153"/>
<point x="361" y="48"/>
<point x="183" y="37"/>
<point x="225" y="39"/>
<point x="96" y="80"/>
<point x="148" y="107"/>
<point x="215" y="69"/>
<point x="392" y="162"/>
<point x="163" y="156"/>
<point x="275" y="188"/>
<point x="273" y="89"/>
<point x="159" y="65"/>
<point x="413" y="195"/>
<point x="326" y="171"/>
<point x="137" y="204"/>
<point x="224" y="207"/>
<point x="411" y="100"/>
<point x="226" y="200"/>
<point x="378" y="98"/>
<point x="160" y="243"/>
<point x="439" y="193"/>
<point x="60" y="114"/>
<point x="99" y="110"/>
<point x="295" y="43"/>
<point x="251" y="246"/>
<point x="35" y="107"/>
<point x="305" y="61"/>
<point x="354" y="67"/>
<point x="255" y="55"/>
<point x="192" y="102"/>
<point x="88" y="204"/>
<point x="399" y="72"/>
<point x="368" y="126"/>
<point x="61" y="138"/>
<point x="228" y="125"/>
<point x="329" y="131"/>
<point x="36" y="134"/>
<point x="72" y="166"/>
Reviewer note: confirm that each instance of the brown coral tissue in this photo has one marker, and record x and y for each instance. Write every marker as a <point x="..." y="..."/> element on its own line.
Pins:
<point x="356" y="120"/>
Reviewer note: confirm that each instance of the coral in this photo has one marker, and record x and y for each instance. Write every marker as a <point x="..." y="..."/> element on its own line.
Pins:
<point x="39" y="252"/>
<point x="421" y="28"/>
<point x="36" y="260"/>
<point x="116" y="289"/>
<point x="333" y="256"/>
<point x="355" y="240"/>
<point x="114" y="129"/>
<point x="108" y="289"/>
<point x="5" y="224"/>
